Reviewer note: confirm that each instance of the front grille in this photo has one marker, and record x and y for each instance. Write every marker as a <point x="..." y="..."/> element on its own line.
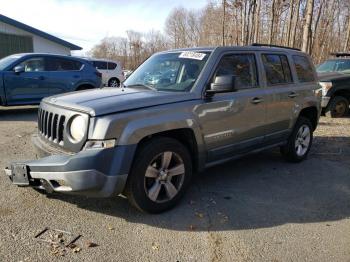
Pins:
<point x="51" y="125"/>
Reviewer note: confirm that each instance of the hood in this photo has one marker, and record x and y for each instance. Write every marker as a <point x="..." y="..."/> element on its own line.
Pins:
<point x="112" y="100"/>
<point x="323" y="77"/>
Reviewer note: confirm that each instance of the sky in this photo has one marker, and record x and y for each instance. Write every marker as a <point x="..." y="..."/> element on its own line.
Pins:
<point x="86" y="22"/>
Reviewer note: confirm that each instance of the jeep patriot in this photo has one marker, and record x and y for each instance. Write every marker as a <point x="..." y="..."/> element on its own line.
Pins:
<point x="180" y="112"/>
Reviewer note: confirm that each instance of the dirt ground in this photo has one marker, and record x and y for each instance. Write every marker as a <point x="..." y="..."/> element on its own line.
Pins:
<point x="258" y="208"/>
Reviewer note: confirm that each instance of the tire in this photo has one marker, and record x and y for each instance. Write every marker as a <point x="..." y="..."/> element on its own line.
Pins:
<point x="299" y="142"/>
<point x="114" y="82"/>
<point x="159" y="191"/>
<point x="338" y="107"/>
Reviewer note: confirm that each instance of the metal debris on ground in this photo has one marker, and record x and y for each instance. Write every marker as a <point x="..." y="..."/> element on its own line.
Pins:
<point x="60" y="240"/>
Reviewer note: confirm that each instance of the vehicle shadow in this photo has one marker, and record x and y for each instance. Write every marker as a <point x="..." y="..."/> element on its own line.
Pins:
<point x="19" y="113"/>
<point x="258" y="191"/>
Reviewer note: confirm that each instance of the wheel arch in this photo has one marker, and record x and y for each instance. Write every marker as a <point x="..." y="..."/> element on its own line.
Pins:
<point x="310" y="113"/>
<point x="114" y="77"/>
<point x="181" y="128"/>
<point x="84" y="86"/>
<point x="185" y="136"/>
<point x="342" y="92"/>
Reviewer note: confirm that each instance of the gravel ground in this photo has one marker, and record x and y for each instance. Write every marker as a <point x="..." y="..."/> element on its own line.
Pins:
<point x="267" y="211"/>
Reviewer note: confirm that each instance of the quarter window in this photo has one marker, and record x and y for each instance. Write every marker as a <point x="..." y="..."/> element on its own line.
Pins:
<point x="34" y="64"/>
<point x="304" y="69"/>
<point x="100" y="65"/>
<point x="277" y="69"/>
<point x="242" y="67"/>
<point x="111" y="66"/>
<point x="61" y="64"/>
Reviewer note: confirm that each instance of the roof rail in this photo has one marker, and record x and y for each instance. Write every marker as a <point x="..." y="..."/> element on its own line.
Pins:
<point x="340" y="54"/>
<point x="278" y="46"/>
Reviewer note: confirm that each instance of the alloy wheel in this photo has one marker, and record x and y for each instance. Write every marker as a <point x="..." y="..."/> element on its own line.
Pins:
<point x="113" y="83"/>
<point x="302" y="141"/>
<point x="164" y="177"/>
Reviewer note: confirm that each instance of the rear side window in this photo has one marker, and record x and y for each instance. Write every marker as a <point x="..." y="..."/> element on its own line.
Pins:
<point x="100" y="65"/>
<point x="61" y="64"/>
<point x="242" y="66"/>
<point x="111" y="66"/>
<point x="277" y="69"/>
<point x="304" y="69"/>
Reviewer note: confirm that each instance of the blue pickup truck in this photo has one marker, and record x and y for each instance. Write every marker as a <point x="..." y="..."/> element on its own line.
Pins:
<point x="27" y="78"/>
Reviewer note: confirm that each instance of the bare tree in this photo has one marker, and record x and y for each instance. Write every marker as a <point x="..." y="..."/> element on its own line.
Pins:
<point x="307" y="27"/>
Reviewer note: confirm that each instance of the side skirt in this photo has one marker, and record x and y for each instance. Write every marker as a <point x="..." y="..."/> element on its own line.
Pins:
<point x="240" y="155"/>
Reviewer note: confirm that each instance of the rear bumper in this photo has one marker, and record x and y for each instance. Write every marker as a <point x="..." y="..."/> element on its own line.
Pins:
<point x="95" y="173"/>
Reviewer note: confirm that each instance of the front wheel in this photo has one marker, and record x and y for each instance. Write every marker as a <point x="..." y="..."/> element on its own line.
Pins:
<point x="299" y="142"/>
<point x="161" y="172"/>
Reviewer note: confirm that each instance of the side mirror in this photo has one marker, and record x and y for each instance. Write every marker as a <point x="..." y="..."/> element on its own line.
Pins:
<point x="222" y="84"/>
<point x="18" y="69"/>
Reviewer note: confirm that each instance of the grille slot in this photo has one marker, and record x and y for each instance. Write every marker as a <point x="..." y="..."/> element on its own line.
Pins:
<point x="51" y="126"/>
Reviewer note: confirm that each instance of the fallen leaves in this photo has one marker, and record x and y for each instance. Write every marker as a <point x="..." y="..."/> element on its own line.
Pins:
<point x="61" y="242"/>
<point x="76" y="249"/>
<point x="91" y="244"/>
<point x="155" y="246"/>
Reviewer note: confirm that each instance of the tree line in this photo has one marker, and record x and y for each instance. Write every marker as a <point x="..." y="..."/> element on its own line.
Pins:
<point x="318" y="27"/>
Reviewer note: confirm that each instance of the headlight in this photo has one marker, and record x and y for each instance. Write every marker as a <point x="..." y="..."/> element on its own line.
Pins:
<point x="77" y="128"/>
<point x="325" y="87"/>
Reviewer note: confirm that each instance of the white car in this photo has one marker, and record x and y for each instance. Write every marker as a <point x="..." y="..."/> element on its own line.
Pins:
<point x="112" y="74"/>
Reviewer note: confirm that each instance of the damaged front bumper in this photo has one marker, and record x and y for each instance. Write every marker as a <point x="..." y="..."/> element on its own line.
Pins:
<point x="96" y="173"/>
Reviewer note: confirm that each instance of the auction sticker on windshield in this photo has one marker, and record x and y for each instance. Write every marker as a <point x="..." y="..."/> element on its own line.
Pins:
<point x="192" y="55"/>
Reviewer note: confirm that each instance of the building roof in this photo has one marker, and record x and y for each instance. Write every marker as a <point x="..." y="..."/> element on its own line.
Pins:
<point x="38" y="32"/>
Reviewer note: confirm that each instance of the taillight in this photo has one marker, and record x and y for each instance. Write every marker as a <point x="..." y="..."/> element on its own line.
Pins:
<point x="98" y="74"/>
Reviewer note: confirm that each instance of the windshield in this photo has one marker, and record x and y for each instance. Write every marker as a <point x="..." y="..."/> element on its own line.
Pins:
<point x="169" y="72"/>
<point x="8" y="60"/>
<point x="334" y="66"/>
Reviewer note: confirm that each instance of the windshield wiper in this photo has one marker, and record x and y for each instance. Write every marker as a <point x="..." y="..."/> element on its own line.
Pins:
<point x="142" y="86"/>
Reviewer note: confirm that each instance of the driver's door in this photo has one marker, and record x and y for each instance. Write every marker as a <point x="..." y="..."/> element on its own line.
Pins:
<point x="234" y="122"/>
<point x="27" y="87"/>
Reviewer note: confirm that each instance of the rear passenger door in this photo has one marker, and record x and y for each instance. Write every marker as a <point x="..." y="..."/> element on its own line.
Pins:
<point x="64" y="74"/>
<point x="281" y="95"/>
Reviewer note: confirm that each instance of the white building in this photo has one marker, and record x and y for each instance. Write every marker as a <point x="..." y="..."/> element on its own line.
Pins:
<point x="16" y="37"/>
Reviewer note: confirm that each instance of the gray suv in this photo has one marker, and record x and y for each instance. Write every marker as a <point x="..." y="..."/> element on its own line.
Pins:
<point x="180" y="112"/>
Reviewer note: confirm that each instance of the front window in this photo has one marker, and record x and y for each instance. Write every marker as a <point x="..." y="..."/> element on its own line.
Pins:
<point x="169" y="72"/>
<point x="35" y="64"/>
<point x="8" y="60"/>
<point x="341" y="65"/>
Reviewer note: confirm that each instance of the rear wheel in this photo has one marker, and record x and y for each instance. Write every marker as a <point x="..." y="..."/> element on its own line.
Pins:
<point x="338" y="107"/>
<point x="161" y="172"/>
<point x="114" y="82"/>
<point x="299" y="142"/>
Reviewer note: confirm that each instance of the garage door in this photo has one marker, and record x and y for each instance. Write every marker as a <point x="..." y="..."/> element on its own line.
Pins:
<point x="12" y="44"/>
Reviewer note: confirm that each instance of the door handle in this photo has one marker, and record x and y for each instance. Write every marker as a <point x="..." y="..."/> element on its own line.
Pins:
<point x="257" y="100"/>
<point x="293" y="94"/>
